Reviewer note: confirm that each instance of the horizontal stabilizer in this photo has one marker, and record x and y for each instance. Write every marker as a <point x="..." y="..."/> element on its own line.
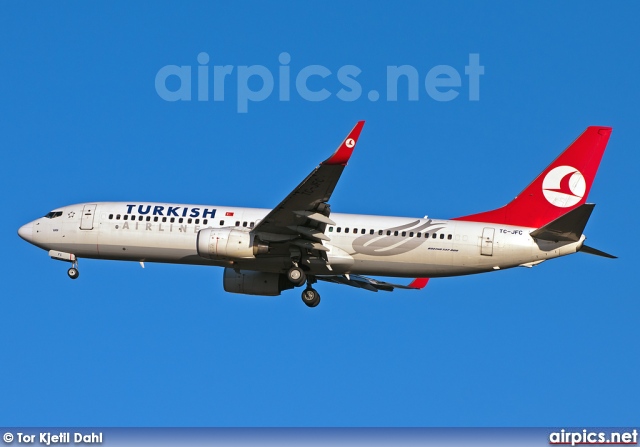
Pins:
<point x="568" y="227"/>
<point x="593" y="251"/>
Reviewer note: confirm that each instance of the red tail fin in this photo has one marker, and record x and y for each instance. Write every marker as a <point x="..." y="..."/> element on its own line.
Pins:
<point x="561" y="187"/>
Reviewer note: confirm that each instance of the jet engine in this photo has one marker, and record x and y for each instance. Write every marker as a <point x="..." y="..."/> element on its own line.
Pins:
<point x="255" y="283"/>
<point x="228" y="243"/>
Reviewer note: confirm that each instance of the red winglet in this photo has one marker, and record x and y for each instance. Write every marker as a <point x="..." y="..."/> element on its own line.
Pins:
<point x="419" y="283"/>
<point x="343" y="153"/>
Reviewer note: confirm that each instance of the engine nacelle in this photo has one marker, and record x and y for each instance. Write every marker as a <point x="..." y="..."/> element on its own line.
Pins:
<point x="255" y="283"/>
<point x="228" y="243"/>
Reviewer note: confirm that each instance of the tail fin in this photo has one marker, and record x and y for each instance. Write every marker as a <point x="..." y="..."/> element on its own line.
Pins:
<point x="563" y="186"/>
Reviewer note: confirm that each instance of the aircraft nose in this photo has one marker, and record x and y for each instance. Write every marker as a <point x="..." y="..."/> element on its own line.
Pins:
<point x="26" y="232"/>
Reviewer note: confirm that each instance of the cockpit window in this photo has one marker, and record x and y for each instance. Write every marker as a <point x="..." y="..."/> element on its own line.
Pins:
<point x="53" y="214"/>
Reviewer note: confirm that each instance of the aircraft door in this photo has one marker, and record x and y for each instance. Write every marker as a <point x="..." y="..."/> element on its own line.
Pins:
<point x="88" y="213"/>
<point x="487" y="242"/>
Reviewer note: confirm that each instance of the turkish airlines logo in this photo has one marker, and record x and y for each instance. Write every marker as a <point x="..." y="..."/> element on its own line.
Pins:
<point x="564" y="186"/>
<point x="350" y="143"/>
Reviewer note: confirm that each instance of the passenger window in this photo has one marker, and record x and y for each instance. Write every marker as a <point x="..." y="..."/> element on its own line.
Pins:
<point x="189" y="220"/>
<point x="251" y="224"/>
<point x="173" y="219"/>
<point x="404" y="233"/>
<point x="118" y="217"/>
<point x="125" y="217"/>
<point x="388" y="232"/>
<point x="346" y="230"/>
<point x="449" y="237"/>
<point x="164" y="219"/>
<point x="204" y="222"/>
<point x="442" y="236"/>
<point x="380" y="232"/>
<point x="419" y="235"/>
<point x="222" y="223"/>
<point x="371" y="231"/>
<point x="155" y="219"/>
<point x="355" y="231"/>
<point x="244" y="224"/>
<point x="180" y="220"/>
<point x="434" y="235"/>
<point x="338" y="230"/>
<point x="237" y="223"/>
<point x="411" y="234"/>
<point x="110" y="216"/>
<point x="197" y="221"/>
<point x="330" y="229"/>
<point x="148" y="218"/>
<point x="395" y="233"/>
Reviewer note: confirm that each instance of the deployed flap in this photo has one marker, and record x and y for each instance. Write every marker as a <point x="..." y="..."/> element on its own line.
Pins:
<point x="568" y="227"/>
<point x="309" y="200"/>
<point x="371" y="284"/>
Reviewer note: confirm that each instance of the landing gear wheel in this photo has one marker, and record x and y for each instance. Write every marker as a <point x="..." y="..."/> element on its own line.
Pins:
<point x="73" y="273"/>
<point x="296" y="276"/>
<point x="310" y="297"/>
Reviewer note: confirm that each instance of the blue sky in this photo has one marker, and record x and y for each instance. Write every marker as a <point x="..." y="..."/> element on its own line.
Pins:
<point x="82" y="121"/>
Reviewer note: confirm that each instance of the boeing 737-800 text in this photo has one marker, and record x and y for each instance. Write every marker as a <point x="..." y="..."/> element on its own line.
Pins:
<point x="300" y="241"/>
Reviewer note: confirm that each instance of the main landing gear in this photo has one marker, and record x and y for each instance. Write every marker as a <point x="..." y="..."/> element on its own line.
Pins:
<point x="310" y="297"/>
<point x="73" y="271"/>
<point x="298" y="277"/>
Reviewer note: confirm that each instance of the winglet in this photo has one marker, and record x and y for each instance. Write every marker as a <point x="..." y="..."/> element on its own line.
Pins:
<point x="418" y="283"/>
<point x="343" y="153"/>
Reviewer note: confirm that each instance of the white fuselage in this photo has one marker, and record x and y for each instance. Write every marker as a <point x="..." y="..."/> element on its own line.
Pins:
<point x="358" y="244"/>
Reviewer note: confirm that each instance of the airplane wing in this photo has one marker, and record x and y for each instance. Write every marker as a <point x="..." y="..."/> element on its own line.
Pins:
<point x="302" y="216"/>
<point x="371" y="284"/>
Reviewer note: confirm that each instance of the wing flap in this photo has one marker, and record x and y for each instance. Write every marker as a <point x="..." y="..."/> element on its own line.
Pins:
<point x="371" y="284"/>
<point x="301" y="218"/>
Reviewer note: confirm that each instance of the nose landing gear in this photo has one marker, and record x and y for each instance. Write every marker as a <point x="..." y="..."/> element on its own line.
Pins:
<point x="73" y="271"/>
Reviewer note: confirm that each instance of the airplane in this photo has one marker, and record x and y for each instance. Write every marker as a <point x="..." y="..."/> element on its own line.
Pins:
<point x="301" y="241"/>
